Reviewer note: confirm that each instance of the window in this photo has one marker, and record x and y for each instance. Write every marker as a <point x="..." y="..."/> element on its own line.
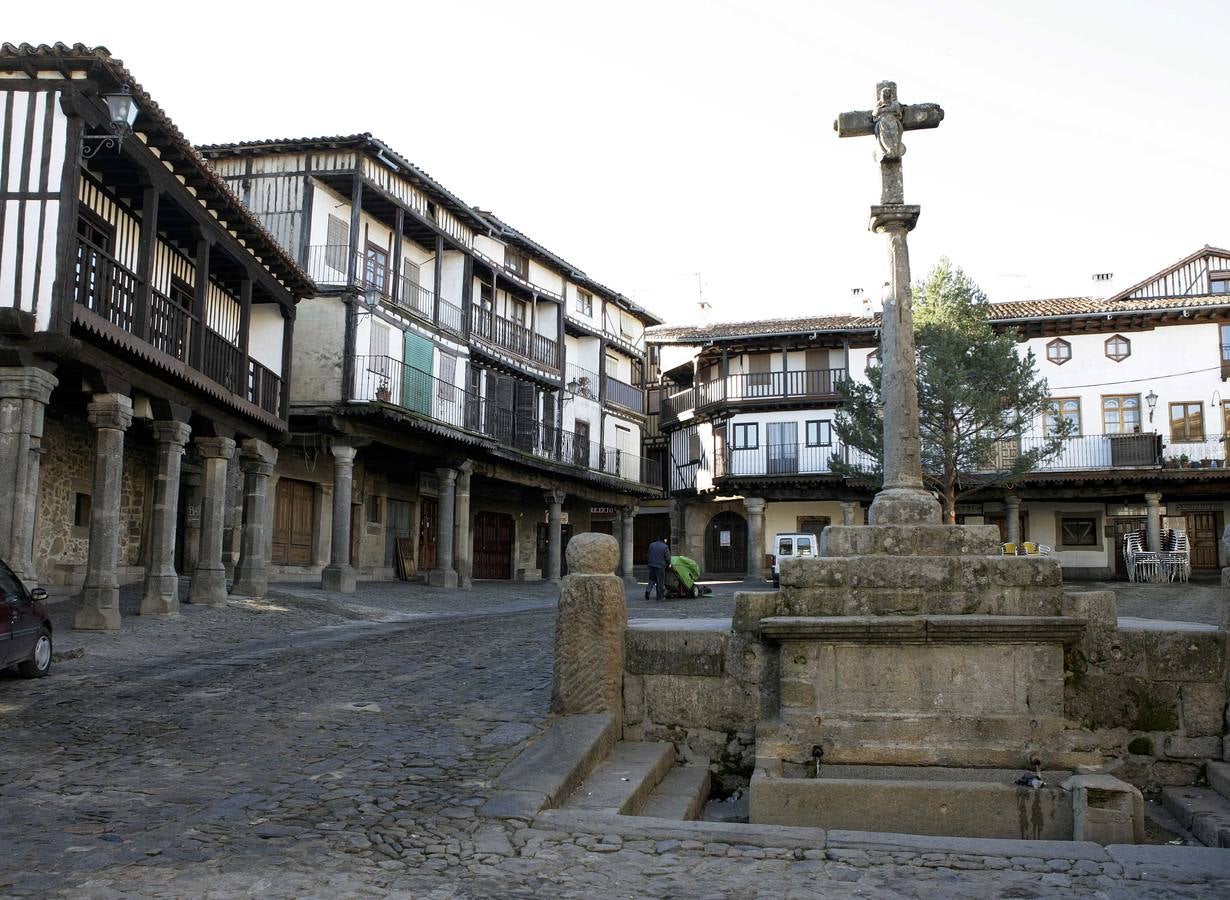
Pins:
<point x="181" y="294"/>
<point x="375" y="267"/>
<point x="1118" y="348"/>
<point x="81" y="511"/>
<point x="410" y="271"/>
<point x="785" y="547"/>
<point x="805" y="547"/>
<point x="612" y="366"/>
<point x="517" y="262"/>
<point x="1187" y="421"/>
<point x="1062" y="414"/>
<point x="585" y="303"/>
<point x="337" y="243"/>
<point x="694" y="449"/>
<point x="373" y="510"/>
<point x="1059" y="351"/>
<point x="448" y="376"/>
<point x="819" y="433"/>
<point x="11" y="589"/>
<point x="1078" y="531"/>
<point x="1219" y="282"/>
<point x="518" y="310"/>
<point x="1121" y="414"/>
<point x="873" y="359"/>
<point x="746" y="436"/>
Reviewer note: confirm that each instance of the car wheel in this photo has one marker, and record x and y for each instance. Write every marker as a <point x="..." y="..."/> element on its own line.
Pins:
<point x="39" y="663"/>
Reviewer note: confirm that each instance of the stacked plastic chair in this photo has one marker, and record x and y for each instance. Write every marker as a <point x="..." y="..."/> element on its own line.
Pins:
<point x="1175" y="557"/>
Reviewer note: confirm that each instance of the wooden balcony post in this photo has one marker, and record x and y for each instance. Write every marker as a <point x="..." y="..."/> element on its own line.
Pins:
<point x="467" y="295"/>
<point x="395" y="288"/>
<point x="437" y="280"/>
<point x="145" y="262"/>
<point x="288" y="334"/>
<point x="245" y="327"/>
<point x="199" y="294"/>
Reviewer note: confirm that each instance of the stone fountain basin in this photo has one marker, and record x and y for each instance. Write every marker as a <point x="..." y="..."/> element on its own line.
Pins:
<point x="931" y="800"/>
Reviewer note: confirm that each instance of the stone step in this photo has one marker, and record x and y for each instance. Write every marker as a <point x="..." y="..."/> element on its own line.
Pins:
<point x="622" y="782"/>
<point x="1218" y="774"/>
<point x="681" y="795"/>
<point x="1202" y="811"/>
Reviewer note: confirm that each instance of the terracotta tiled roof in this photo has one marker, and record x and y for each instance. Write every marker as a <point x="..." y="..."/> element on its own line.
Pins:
<point x="233" y="213"/>
<point x="1086" y="306"/>
<point x="482" y="220"/>
<point x="691" y="334"/>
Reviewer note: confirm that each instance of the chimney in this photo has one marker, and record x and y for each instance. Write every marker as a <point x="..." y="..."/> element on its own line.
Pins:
<point x="704" y="313"/>
<point x="1105" y="282"/>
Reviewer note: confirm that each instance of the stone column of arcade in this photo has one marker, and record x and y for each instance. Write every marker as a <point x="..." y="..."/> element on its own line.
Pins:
<point x="555" y="510"/>
<point x="755" y="540"/>
<point x="24" y="393"/>
<point x="1012" y="511"/>
<point x="625" y="556"/>
<point x="256" y="461"/>
<point x="110" y="414"/>
<point x="463" y="545"/>
<point x="1153" y="524"/>
<point x="339" y="575"/>
<point x="444" y="574"/>
<point x="161" y="594"/>
<point x="208" y="585"/>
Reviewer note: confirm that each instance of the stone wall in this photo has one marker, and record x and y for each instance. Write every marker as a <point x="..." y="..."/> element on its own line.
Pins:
<point x="67" y="469"/>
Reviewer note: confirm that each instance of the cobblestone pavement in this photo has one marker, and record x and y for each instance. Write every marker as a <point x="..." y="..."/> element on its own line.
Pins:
<point x="318" y="745"/>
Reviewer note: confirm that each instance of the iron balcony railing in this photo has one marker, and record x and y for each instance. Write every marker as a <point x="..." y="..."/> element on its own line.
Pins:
<point x="787" y="459"/>
<point x="514" y="337"/>
<point x="386" y="380"/>
<point x="756" y="386"/>
<point x="104" y="286"/>
<point x="581" y="382"/>
<point x="328" y="264"/>
<point x="623" y="394"/>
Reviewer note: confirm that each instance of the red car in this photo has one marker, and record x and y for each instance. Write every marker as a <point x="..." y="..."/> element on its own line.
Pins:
<point x="25" y="627"/>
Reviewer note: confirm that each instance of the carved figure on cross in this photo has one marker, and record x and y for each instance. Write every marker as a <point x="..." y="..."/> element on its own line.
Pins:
<point x="888" y="121"/>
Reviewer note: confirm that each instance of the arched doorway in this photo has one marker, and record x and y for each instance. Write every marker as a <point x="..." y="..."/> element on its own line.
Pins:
<point x="726" y="543"/>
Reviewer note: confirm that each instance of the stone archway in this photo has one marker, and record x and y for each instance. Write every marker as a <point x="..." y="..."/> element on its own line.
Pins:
<point x="726" y="544"/>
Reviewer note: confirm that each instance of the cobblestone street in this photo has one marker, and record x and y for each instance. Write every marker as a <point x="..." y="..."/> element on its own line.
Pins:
<point x="314" y="745"/>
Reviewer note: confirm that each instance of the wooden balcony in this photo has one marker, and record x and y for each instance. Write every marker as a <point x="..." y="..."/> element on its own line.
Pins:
<point x="114" y="294"/>
<point x="770" y="388"/>
<point x="514" y="337"/>
<point x="624" y="395"/>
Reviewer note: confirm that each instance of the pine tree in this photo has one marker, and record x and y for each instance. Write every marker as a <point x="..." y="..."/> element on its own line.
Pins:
<point x="977" y="397"/>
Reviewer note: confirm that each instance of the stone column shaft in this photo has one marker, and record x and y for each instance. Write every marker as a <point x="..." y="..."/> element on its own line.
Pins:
<point x="848" y="508"/>
<point x="1012" y="510"/>
<point x="24" y="393"/>
<point x="1153" y="525"/>
<point x="110" y="414"/>
<point x="627" y="523"/>
<point x="444" y="574"/>
<point x="161" y="594"/>
<point x="555" y="507"/>
<point x="755" y="539"/>
<point x="463" y="544"/>
<point x="208" y="586"/>
<point x="256" y="461"/>
<point x="339" y="575"/>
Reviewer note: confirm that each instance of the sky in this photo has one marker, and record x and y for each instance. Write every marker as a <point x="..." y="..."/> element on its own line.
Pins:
<point x="678" y="149"/>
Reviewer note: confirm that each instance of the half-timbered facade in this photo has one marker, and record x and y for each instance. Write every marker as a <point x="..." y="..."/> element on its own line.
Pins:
<point x="746" y="415"/>
<point x="477" y="395"/>
<point x="147" y="334"/>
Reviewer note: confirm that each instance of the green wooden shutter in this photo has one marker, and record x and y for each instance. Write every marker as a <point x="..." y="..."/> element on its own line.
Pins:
<point x="416" y="388"/>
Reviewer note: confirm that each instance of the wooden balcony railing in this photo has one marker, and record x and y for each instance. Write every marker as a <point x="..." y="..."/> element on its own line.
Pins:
<point x="514" y="337"/>
<point x="762" y="386"/>
<point x="677" y="404"/>
<point x="623" y="394"/>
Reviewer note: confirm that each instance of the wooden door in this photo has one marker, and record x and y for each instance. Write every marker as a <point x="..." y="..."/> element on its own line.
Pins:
<point x="646" y="529"/>
<point x="292" y="523"/>
<point x="429" y="529"/>
<point x="396" y="526"/>
<point x="726" y="543"/>
<point x="544" y="537"/>
<point x="493" y="545"/>
<point x="1122" y="527"/>
<point x="1202" y="535"/>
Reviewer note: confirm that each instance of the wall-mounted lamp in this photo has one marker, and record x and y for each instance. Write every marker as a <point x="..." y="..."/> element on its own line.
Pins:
<point x="122" y="108"/>
<point x="1151" y="400"/>
<point x="1216" y="401"/>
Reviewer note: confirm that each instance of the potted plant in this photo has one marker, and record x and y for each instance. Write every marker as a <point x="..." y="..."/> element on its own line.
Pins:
<point x="382" y="393"/>
<point x="1206" y="463"/>
<point x="1183" y="461"/>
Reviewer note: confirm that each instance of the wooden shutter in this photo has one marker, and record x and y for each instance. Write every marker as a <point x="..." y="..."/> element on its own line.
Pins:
<point x="502" y="409"/>
<point x="548" y="422"/>
<point x="527" y="415"/>
<point x="338" y="241"/>
<point x="474" y="398"/>
<point x="416" y="389"/>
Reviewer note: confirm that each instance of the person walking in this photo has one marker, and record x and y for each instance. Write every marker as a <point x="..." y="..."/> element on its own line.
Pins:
<point x="659" y="559"/>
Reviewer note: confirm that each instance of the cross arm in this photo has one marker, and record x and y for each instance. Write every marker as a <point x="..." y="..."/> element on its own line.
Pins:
<point x="913" y="117"/>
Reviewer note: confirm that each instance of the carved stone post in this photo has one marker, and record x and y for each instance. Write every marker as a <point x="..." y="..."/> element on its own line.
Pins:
<point x="625" y="556"/>
<point x="161" y="594"/>
<point x="755" y="539"/>
<point x="208" y="585"/>
<point x="1153" y="525"/>
<point x="110" y="414"/>
<point x="24" y="393"/>
<point x="339" y="575"/>
<point x="1012" y="510"/>
<point x="444" y="575"/>
<point x="555" y="506"/>
<point x="589" y="631"/>
<point x="848" y="509"/>
<point x="256" y="461"/>
<point x="463" y="545"/>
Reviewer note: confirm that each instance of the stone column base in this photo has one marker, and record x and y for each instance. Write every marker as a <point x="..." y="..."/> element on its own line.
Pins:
<point x="465" y="582"/>
<point x="161" y="596"/>
<point x="442" y="578"/>
<point x="630" y="580"/>
<point x="338" y="578"/>
<point x="208" y="587"/>
<point x="904" y="506"/>
<point x="100" y="610"/>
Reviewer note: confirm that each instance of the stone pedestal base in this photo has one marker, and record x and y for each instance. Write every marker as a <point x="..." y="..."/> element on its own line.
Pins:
<point x="904" y="506"/>
<point x="589" y="631"/>
<point x="338" y="578"/>
<point x="208" y="586"/>
<point x="442" y="578"/>
<point x="100" y="610"/>
<point x="161" y="596"/>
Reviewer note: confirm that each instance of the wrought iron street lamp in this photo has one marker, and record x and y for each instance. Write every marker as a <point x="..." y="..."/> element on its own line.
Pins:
<point x="122" y="109"/>
<point x="1151" y="400"/>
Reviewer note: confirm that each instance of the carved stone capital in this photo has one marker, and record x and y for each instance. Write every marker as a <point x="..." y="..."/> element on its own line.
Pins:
<point x="755" y="505"/>
<point x="446" y="476"/>
<point x="111" y="411"/>
<point x="343" y="454"/>
<point x="894" y="217"/>
<point x="257" y="457"/>
<point x="174" y="433"/>
<point x="27" y="383"/>
<point x="215" y="447"/>
<point x="554" y="498"/>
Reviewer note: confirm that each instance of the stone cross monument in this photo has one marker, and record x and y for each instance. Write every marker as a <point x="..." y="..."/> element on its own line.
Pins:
<point x="903" y="501"/>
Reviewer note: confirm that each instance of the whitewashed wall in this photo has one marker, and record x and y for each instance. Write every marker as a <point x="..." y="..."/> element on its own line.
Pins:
<point x="265" y="336"/>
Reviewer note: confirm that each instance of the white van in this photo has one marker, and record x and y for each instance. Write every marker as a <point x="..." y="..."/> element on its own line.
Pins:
<point x="790" y="545"/>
